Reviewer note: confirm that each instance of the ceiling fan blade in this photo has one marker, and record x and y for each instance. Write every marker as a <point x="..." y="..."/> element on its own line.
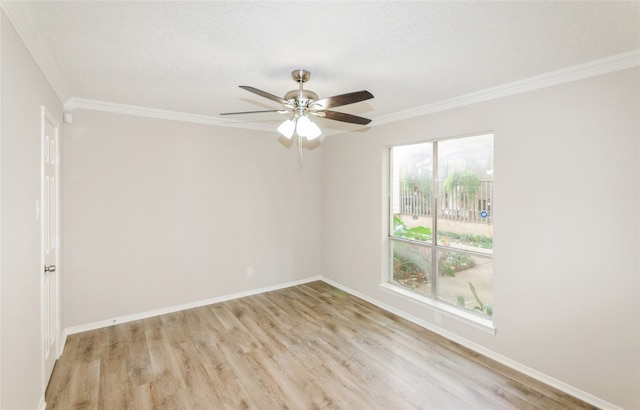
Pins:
<point x="265" y="94"/>
<point x="254" y="112"/>
<point x="341" y="116"/>
<point x="343" y="99"/>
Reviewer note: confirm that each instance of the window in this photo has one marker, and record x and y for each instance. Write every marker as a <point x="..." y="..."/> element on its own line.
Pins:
<point x="441" y="221"/>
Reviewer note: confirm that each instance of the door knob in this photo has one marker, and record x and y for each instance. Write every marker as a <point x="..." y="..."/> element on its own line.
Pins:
<point x="50" y="268"/>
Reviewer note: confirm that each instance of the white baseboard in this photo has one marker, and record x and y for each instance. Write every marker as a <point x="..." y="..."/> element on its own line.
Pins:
<point x="62" y="341"/>
<point x="42" y="405"/>
<point x="157" y="312"/>
<point x="544" y="378"/>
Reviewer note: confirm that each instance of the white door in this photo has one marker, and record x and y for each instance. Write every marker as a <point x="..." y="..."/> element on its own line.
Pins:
<point x="50" y="243"/>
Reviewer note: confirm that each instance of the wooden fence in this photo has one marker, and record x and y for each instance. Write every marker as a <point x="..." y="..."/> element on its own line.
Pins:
<point x="453" y="205"/>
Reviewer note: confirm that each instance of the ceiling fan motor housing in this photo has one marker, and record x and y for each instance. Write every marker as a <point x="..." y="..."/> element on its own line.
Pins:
<point x="301" y="96"/>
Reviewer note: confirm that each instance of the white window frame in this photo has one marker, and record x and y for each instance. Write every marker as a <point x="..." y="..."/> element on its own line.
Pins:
<point x="439" y="308"/>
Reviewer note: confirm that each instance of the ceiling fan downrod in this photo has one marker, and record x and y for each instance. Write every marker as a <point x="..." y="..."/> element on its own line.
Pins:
<point x="301" y="98"/>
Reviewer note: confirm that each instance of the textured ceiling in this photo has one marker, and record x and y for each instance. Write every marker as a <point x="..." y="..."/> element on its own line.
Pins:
<point x="190" y="56"/>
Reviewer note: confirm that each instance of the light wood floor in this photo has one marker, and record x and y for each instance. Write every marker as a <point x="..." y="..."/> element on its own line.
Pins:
<point x="305" y="347"/>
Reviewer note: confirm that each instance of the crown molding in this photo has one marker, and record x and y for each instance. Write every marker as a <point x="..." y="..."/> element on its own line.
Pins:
<point x="597" y="67"/>
<point x="19" y="17"/>
<point x="86" y="104"/>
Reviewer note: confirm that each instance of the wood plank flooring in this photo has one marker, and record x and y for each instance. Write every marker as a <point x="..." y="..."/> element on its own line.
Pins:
<point x="305" y="347"/>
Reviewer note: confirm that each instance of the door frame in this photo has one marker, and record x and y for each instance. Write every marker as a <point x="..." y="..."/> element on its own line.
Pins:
<point x="47" y="117"/>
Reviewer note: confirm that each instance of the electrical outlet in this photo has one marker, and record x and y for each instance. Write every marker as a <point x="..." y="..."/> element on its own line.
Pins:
<point x="437" y="317"/>
<point x="250" y="272"/>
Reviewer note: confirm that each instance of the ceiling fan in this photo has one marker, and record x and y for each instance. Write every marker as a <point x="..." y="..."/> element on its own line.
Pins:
<point x="301" y="104"/>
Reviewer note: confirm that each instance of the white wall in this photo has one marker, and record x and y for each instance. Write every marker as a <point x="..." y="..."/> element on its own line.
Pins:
<point x="160" y="213"/>
<point x="24" y="90"/>
<point x="567" y="177"/>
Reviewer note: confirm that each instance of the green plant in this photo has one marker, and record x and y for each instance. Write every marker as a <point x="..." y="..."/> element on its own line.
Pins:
<point x="407" y="269"/>
<point x="466" y="180"/>
<point x="416" y="177"/>
<point x="477" y="241"/>
<point x="419" y="233"/>
<point x="487" y="309"/>
<point x="451" y="262"/>
<point x="409" y="265"/>
<point x="408" y="273"/>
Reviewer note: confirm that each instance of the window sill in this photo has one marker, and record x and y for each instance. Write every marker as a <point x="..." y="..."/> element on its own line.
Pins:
<point x="475" y="321"/>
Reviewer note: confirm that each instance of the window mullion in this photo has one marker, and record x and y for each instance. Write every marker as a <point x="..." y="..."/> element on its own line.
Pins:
<point x="434" y="222"/>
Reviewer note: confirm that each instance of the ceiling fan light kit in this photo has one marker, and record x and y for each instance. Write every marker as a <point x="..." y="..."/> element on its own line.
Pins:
<point x="307" y="128"/>
<point x="301" y="104"/>
<point x="287" y="128"/>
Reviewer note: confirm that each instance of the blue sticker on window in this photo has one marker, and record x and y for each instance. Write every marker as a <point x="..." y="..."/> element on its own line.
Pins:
<point x="484" y="214"/>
